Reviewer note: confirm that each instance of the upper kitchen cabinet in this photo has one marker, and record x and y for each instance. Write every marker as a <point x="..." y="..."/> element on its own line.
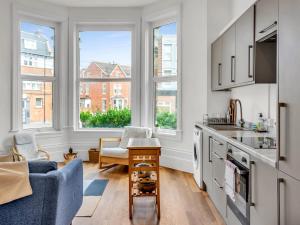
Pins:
<point x="244" y="70"/>
<point x="216" y="62"/>
<point x="228" y="58"/>
<point x="266" y="18"/>
<point x="289" y="91"/>
<point x="244" y="61"/>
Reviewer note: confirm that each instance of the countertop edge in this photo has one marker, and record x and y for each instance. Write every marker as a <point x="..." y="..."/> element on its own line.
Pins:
<point x="240" y="145"/>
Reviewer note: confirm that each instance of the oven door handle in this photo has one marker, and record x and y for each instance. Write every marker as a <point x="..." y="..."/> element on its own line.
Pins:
<point x="252" y="184"/>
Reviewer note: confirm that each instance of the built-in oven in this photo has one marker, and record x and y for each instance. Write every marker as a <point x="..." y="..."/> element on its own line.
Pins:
<point x="240" y="205"/>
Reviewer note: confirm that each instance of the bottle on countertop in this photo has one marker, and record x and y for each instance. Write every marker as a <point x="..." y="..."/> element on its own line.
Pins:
<point x="261" y="125"/>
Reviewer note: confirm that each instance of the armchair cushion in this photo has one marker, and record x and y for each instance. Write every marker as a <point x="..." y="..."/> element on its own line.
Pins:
<point x="134" y="132"/>
<point x="25" y="144"/>
<point x="115" y="152"/>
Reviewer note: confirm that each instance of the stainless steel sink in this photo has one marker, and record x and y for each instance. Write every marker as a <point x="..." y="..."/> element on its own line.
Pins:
<point x="226" y="127"/>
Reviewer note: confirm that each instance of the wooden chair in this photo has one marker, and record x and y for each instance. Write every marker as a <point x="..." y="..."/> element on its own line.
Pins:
<point x="118" y="154"/>
<point x="25" y="148"/>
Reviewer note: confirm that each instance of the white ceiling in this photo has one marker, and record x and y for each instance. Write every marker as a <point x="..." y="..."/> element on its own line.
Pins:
<point x="101" y="3"/>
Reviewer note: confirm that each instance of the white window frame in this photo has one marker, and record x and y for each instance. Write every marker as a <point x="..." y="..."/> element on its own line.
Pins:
<point x="134" y="79"/>
<point x="167" y="16"/>
<point x="55" y="23"/>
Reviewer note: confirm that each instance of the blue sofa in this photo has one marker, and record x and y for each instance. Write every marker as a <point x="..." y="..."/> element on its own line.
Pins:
<point x="57" y="196"/>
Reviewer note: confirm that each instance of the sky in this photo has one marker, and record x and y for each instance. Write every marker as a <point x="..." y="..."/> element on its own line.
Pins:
<point x="103" y="46"/>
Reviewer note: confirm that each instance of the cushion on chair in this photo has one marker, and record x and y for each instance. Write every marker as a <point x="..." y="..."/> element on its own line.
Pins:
<point x="134" y="132"/>
<point x="24" y="138"/>
<point x="115" y="152"/>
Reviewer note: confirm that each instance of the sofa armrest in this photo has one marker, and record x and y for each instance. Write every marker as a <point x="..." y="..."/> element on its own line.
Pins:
<point x="67" y="186"/>
<point x="42" y="166"/>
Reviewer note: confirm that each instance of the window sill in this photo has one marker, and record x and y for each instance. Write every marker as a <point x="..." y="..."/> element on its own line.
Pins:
<point x="168" y="135"/>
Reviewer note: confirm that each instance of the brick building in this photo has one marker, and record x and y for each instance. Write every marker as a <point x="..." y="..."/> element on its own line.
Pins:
<point x="102" y="95"/>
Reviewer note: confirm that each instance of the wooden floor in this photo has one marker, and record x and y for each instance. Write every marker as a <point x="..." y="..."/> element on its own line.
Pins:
<point x="182" y="203"/>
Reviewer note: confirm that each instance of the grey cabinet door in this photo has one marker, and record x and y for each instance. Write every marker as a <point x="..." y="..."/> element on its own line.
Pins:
<point x="245" y="47"/>
<point x="216" y="64"/>
<point x="266" y="17"/>
<point x="289" y="91"/>
<point x="289" y="200"/>
<point x="228" y="58"/>
<point x="264" y="194"/>
<point x="218" y="170"/>
<point x="207" y="162"/>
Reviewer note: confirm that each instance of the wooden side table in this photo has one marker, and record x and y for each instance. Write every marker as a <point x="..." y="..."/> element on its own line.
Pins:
<point x="70" y="156"/>
<point x="143" y="156"/>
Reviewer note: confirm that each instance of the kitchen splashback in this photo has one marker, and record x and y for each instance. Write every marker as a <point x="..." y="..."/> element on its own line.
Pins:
<point x="257" y="98"/>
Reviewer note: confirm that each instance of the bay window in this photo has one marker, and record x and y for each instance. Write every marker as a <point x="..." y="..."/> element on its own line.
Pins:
<point x="165" y="76"/>
<point x="37" y="73"/>
<point x="104" y="68"/>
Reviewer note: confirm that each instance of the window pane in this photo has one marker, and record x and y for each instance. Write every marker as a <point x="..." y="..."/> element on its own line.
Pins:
<point x="165" y="50"/>
<point x="101" y="109"/>
<point x="105" y="54"/>
<point x="36" y="104"/>
<point x="166" y="93"/>
<point x="37" y="49"/>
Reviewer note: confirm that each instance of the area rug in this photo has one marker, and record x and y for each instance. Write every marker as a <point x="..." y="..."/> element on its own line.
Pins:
<point x="92" y="192"/>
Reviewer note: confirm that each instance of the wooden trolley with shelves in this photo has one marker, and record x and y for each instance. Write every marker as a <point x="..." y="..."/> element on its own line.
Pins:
<point x="143" y="156"/>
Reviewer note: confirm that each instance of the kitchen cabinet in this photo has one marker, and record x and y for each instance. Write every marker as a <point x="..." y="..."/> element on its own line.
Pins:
<point x="216" y="62"/>
<point x="218" y="151"/>
<point x="207" y="162"/>
<point x="289" y="200"/>
<point x="244" y="71"/>
<point x="266" y="18"/>
<point x="263" y="193"/>
<point x="228" y="58"/>
<point x="289" y="91"/>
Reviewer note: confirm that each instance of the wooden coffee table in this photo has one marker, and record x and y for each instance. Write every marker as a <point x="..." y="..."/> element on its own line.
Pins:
<point x="143" y="157"/>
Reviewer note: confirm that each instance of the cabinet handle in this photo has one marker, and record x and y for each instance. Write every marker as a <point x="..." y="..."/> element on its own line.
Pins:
<point x="219" y="74"/>
<point x="281" y="130"/>
<point x="217" y="155"/>
<point x="279" y="182"/>
<point x="252" y="163"/>
<point x="209" y="149"/>
<point x="250" y="65"/>
<point x="232" y="68"/>
<point x="217" y="183"/>
<point x="268" y="28"/>
<point x="217" y="142"/>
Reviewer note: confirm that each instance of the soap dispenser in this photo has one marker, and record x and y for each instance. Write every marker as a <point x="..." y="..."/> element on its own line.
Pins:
<point x="261" y="126"/>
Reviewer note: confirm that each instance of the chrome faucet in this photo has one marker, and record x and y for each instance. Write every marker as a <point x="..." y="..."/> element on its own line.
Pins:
<point x="242" y="121"/>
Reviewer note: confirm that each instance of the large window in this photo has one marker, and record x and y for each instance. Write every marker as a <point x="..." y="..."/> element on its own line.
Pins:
<point x="165" y="76"/>
<point x="37" y="74"/>
<point x="105" y="70"/>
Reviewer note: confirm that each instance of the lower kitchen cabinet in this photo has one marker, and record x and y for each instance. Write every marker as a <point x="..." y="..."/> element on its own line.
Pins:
<point x="289" y="200"/>
<point x="264" y="194"/>
<point x="218" y="151"/>
<point x="231" y="218"/>
<point x="207" y="162"/>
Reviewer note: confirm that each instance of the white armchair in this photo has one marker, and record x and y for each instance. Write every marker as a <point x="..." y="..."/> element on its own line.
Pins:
<point x="118" y="154"/>
<point x="25" y="148"/>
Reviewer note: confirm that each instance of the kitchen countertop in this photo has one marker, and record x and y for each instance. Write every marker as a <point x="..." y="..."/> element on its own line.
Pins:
<point x="268" y="156"/>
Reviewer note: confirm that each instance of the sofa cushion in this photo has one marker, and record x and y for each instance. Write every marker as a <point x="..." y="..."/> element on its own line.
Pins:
<point x="42" y="166"/>
<point x="134" y="132"/>
<point x="115" y="152"/>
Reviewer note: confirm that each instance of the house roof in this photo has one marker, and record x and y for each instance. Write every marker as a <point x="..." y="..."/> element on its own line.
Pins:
<point x="42" y="44"/>
<point x="109" y="67"/>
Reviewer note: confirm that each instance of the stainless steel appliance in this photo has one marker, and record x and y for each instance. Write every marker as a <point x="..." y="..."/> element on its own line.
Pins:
<point x="241" y="205"/>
